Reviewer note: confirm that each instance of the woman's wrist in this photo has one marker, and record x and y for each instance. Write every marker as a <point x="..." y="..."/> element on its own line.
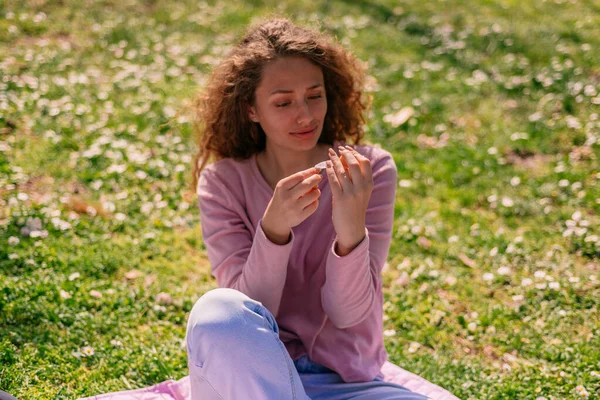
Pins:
<point x="275" y="236"/>
<point x="343" y="248"/>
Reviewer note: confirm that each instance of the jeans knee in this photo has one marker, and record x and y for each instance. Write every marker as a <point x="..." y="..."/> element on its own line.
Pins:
<point x="217" y="315"/>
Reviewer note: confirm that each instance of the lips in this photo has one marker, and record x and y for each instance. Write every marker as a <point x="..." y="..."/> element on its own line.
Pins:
<point x="305" y="131"/>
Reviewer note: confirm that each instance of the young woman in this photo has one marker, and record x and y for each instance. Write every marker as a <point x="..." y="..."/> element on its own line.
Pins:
<point x="298" y="312"/>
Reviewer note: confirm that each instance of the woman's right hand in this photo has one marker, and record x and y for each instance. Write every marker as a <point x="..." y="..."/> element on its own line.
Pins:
<point x="295" y="198"/>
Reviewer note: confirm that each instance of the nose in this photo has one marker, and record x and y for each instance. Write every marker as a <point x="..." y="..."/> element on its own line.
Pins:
<point x="304" y="114"/>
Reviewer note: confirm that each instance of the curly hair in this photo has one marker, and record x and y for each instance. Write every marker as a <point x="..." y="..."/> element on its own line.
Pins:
<point x="221" y="121"/>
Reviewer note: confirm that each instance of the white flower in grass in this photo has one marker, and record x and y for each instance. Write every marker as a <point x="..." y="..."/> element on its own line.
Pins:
<point x="146" y="208"/>
<point x="581" y="391"/>
<point x="65" y="295"/>
<point x="493" y="252"/>
<point x="413" y="347"/>
<point x="526" y="282"/>
<point x="389" y="332"/>
<point x="535" y="116"/>
<point x="588" y="239"/>
<point x="87" y="351"/>
<point x="450" y="280"/>
<point x="472" y="326"/>
<point x="434" y="273"/>
<point x="74" y="276"/>
<point x="13" y="240"/>
<point x="554" y="285"/>
<point x="116" y="343"/>
<point x="163" y="298"/>
<point x="504" y="270"/>
<point x="507" y="202"/>
<point x="539" y="274"/>
<point x="488" y="276"/>
<point x="23" y="196"/>
<point x="95" y="293"/>
<point x="415" y="230"/>
<point x="595" y="374"/>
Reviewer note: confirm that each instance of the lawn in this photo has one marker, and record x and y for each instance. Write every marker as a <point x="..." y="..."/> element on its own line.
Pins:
<point x="491" y="110"/>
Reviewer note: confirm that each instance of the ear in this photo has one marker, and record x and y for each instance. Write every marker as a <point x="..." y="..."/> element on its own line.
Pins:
<point x="252" y="114"/>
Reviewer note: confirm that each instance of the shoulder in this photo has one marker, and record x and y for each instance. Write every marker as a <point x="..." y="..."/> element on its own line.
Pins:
<point x="225" y="175"/>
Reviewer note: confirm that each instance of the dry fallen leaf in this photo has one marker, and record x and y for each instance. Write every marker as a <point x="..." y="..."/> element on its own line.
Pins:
<point x="133" y="274"/>
<point x="403" y="279"/>
<point x="149" y="280"/>
<point x="424" y="242"/>
<point x="466" y="260"/>
<point x="400" y="117"/>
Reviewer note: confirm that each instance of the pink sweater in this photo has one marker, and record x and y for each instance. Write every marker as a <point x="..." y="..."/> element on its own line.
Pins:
<point x="326" y="306"/>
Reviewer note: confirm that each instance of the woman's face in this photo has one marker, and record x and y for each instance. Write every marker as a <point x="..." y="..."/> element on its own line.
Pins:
<point x="290" y="99"/>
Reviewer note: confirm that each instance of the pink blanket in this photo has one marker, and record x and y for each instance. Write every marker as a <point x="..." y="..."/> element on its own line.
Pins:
<point x="180" y="390"/>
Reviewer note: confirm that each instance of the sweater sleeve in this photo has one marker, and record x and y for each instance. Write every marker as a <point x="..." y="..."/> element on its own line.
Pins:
<point x="352" y="281"/>
<point x="255" y="266"/>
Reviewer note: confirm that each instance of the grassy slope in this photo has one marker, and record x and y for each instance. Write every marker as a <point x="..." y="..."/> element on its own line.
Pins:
<point x="107" y="76"/>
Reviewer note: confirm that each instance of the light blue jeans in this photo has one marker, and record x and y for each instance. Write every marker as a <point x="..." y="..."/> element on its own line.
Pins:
<point x="234" y="352"/>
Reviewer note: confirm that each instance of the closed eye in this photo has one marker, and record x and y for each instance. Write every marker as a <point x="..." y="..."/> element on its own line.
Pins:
<point x="310" y="97"/>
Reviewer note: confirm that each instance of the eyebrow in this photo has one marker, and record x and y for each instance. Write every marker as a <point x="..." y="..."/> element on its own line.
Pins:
<point x="291" y="91"/>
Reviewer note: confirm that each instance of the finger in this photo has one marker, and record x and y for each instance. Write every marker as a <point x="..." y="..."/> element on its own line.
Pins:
<point x="334" y="184"/>
<point x="342" y="176"/>
<point x="354" y="167"/>
<point x="309" y="198"/>
<point x="342" y="159"/>
<point x="291" y="181"/>
<point x="365" y="164"/>
<point x="305" y="186"/>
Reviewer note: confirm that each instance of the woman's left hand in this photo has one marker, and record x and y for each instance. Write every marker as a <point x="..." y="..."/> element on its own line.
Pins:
<point x="351" y="181"/>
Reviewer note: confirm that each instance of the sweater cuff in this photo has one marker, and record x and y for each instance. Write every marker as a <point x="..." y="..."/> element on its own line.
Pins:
<point x="262" y="237"/>
<point x="356" y="252"/>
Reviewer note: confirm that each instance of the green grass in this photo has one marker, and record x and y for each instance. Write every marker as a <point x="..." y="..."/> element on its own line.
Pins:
<point x="498" y="170"/>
